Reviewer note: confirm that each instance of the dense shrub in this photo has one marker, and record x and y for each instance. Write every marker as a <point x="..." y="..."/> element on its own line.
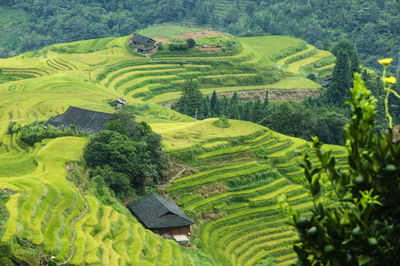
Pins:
<point x="32" y="133"/>
<point x="178" y="46"/>
<point x="191" y="43"/>
<point x="222" y="122"/>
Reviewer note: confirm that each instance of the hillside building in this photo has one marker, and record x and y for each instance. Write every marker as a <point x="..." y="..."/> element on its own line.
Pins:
<point x="326" y="82"/>
<point x="84" y="120"/>
<point x="143" y="44"/>
<point x="119" y="102"/>
<point x="163" y="217"/>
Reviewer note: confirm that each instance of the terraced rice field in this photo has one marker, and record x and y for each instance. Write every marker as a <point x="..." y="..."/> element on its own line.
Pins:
<point x="49" y="210"/>
<point x="241" y="169"/>
<point x="235" y="191"/>
<point x="296" y="66"/>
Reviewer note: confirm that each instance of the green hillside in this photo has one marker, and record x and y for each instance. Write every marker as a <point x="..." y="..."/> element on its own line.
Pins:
<point x="13" y="25"/>
<point x="231" y="176"/>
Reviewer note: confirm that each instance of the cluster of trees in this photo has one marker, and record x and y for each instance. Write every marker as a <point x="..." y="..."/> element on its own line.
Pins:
<point x="126" y="156"/>
<point x="323" y="117"/>
<point x="300" y="119"/>
<point x="65" y="21"/>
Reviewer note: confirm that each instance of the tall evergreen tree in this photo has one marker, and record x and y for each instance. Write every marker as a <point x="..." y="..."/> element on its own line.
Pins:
<point x="350" y="49"/>
<point x="224" y="104"/>
<point x="266" y="102"/>
<point x="247" y="111"/>
<point x="191" y="102"/>
<point x="234" y="107"/>
<point x="341" y="79"/>
<point x="257" y="112"/>
<point x="214" y="104"/>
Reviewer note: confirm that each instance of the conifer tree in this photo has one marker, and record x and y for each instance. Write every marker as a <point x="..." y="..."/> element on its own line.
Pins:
<point x="266" y="102"/>
<point x="234" y="107"/>
<point x="257" y="112"/>
<point x="214" y="104"/>
<point x="191" y="103"/>
<point x="341" y="79"/>
<point x="247" y="110"/>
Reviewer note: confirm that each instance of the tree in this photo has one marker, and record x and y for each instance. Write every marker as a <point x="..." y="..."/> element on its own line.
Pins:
<point x="191" y="42"/>
<point x="234" y="107"/>
<point x="214" y="104"/>
<point x="350" y="49"/>
<point x="292" y="119"/>
<point x="341" y="79"/>
<point x="266" y="102"/>
<point x="257" y="113"/>
<point x="191" y="101"/>
<point x="362" y="226"/>
<point x="126" y="155"/>
<point x="250" y="8"/>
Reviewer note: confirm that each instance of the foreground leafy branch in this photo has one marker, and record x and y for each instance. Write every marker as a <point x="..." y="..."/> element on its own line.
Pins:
<point x="361" y="226"/>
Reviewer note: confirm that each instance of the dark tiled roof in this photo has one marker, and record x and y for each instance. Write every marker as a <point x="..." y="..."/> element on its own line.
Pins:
<point x="84" y="120"/>
<point x="326" y="82"/>
<point x="141" y="39"/>
<point x="155" y="211"/>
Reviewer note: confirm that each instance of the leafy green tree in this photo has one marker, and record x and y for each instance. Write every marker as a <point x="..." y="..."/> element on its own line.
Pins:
<point x="362" y="224"/>
<point x="292" y="119"/>
<point x="250" y="8"/>
<point x="350" y="49"/>
<point x="191" y="42"/>
<point x="126" y="155"/>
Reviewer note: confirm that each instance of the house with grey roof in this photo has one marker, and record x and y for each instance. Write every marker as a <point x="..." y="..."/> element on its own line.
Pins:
<point x="142" y="44"/>
<point x="83" y="119"/>
<point x="162" y="216"/>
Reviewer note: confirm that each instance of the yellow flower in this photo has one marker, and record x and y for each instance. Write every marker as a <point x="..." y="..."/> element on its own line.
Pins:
<point x="389" y="80"/>
<point x="385" y="61"/>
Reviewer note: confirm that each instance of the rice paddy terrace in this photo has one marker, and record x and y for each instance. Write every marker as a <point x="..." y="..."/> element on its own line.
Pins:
<point x="236" y="172"/>
<point x="235" y="176"/>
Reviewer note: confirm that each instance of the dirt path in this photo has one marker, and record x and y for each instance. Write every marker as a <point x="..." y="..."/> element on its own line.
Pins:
<point x="167" y="184"/>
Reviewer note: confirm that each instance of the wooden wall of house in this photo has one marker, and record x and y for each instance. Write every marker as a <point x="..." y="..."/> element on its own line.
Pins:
<point x="172" y="231"/>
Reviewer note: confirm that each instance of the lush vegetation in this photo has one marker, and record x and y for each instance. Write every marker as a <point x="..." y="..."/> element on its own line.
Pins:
<point x="363" y="226"/>
<point x="226" y="173"/>
<point x="126" y="155"/>
<point x="372" y="24"/>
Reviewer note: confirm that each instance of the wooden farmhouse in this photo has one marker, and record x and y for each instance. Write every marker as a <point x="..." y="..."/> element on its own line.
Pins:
<point x="143" y="44"/>
<point x="162" y="216"/>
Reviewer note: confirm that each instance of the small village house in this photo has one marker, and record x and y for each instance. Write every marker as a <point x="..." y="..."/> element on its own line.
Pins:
<point x="143" y="44"/>
<point x="119" y="102"/>
<point x="163" y="217"/>
<point x="83" y="119"/>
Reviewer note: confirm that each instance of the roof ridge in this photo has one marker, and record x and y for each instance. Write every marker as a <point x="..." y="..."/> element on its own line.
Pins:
<point x="162" y="204"/>
<point x="172" y="211"/>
